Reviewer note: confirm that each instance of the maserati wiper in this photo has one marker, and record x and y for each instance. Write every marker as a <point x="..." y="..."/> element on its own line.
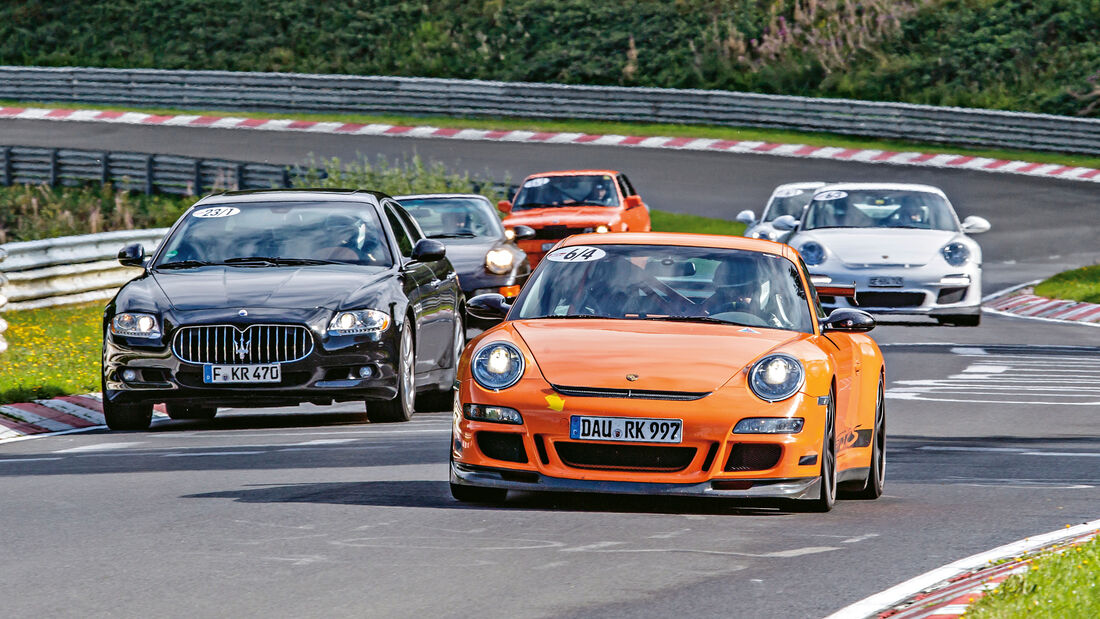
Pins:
<point x="273" y="261"/>
<point x="453" y="235"/>
<point x="184" y="264"/>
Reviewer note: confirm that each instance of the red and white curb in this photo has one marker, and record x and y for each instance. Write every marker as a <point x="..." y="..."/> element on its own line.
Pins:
<point x="933" y="160"/>
<point x="949" y="590"/>
<point x="74" y="413"/>
<point x="1020" y="303"/>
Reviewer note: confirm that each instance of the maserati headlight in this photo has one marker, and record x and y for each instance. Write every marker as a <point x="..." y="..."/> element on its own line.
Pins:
<point x="497" y="366"/>
<point x="499" y="261"/>
<point x="135" y="325"/>
<point x="812" y="253"/>
<point x="956" y="254"/>
<point x="776" y="377"/>
<point x="358" y="321"/>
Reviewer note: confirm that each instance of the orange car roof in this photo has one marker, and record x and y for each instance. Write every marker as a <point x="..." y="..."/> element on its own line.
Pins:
<point x="683" y="238"/>
<point x="574" y="173"/>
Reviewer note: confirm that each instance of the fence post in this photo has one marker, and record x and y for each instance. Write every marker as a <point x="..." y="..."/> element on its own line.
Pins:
<point x="105" y="168"/>
<point x="5" y="171"/>
<point x="149" y="171"/>
<point x="286" y="177"/>
<point x="240" y="176"/>
<point x="53" y="167"/>
<point x="198" y="178"/>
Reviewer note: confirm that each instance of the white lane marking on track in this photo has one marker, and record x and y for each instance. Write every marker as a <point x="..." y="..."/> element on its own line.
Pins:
<point x="987" y="369"/>
<point x="595" y="546"/>
<point x="1062" y="454"/>
<point x="99" y="447"/>
<point x="211" y="453"/>
<point x="859" y="538"/>
<point x="325" y="441"/>
<point x="6" y="460"/>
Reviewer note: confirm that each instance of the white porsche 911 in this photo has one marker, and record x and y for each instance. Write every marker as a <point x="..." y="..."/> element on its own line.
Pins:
<point x="786" y="199"/>
<point x="891" y="249"/>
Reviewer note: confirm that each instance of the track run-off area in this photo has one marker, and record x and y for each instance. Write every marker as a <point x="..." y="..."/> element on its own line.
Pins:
<point x="993" y="436"/>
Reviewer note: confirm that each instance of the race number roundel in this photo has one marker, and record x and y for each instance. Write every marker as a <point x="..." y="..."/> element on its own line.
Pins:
<point x="217" y="211"/>
<point x="580" y="253"/>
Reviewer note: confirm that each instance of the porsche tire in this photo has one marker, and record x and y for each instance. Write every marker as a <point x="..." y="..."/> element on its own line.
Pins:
<point x="128" y="416"/>
<point x="478" y="494"/>
<point x="876" y="474"/>
<point x="826" y="494"/>
<point x="402" y="407"/>
<point x="180" y="411"/>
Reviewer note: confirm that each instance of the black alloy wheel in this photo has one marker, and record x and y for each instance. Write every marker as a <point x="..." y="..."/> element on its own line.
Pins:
<point x="826" y="496"/>
<point x="876" y="476"/>
<point x="400" y="408"/>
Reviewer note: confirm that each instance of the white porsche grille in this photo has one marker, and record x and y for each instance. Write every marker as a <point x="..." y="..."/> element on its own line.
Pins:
<point x="256" y="344"/>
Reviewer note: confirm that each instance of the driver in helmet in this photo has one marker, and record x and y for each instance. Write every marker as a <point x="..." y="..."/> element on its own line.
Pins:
<point x="736" y="287"/>
<point x="601" y="194"/>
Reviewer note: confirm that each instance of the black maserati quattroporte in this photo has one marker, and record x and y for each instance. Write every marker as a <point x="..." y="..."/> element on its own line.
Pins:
<point x="273" y="298"/>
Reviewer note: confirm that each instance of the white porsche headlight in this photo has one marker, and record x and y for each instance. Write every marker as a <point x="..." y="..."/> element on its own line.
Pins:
<point x="956" y="254"/>
<point x="776" y="377"/>
<point x="812" y="253"/>
<point x="499" y="261"/>
<point x="135" y="325"/>
<point x="358" y="321"/>
<point x="497" y="366"/>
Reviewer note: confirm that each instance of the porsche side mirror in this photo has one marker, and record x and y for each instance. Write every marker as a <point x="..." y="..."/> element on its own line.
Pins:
<point x="848" y="320"/>
<point x="785" y="223"/>
<point x="505" y="206"/>
<point x="523" y="233"/>
<point x="975" y="225"/>
<point x="488" y="306"/>
<point x="132" y="255"/>
<point x="633" y="201"/>
<point x="746" y="217"/>
<point x="428" y="250"/>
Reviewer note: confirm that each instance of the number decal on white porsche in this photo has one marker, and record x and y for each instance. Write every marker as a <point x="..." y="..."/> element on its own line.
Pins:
<point x="576" y="254"/>
<point x="831" y="195"/>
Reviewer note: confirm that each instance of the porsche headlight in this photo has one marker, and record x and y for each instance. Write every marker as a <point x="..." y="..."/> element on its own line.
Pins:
<point x="761" y="234"/>
<point x="956" y="254"/>
<point x="499" y="261"/>
<point x="358" y="321"/>
<point x="776" y="377"/>
<point x="497" y="365"/>
<point x="769" y="425"/>
<point x="812" y="253"/>
<point x="135" y="325"/>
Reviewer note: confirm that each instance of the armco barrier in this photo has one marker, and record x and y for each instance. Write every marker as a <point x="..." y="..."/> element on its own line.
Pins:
<point x="70" y="269"/>
<point x="227" y="90"/>
<point x="136" y="171"/>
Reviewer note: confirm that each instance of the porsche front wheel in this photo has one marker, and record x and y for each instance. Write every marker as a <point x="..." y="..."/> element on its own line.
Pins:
<point x="826" y="494"/>
<point x="876" y="475"/>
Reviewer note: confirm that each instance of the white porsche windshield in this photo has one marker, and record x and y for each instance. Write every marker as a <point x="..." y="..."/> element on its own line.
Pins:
<point x="661" y="282"/>
<point x="277" y="233"/>
<point x="879" y="208"/>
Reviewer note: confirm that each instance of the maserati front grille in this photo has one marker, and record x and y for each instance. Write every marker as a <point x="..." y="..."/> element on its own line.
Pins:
<point x="255" y="344"/>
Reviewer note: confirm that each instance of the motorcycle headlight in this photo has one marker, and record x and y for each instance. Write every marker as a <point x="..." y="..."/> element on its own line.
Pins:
<point x="135" y="325"/>
<point x="776" y="377"/>
<point x="497" y="366"/>
<point x="358" y="321"/>
<point x="956" y="254"/>
<point x="499" y="261"/>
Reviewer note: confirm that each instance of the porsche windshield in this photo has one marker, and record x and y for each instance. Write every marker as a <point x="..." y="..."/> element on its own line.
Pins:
<point x="569" y="190"/>
<point x="444" y="218"/>
<point x="879" y="208"/>
<point x="277" y="234"/>
<point x="787" y="201"/>
<point x="660" y="282"/>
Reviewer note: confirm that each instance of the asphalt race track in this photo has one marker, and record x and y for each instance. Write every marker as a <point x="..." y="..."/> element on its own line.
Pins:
<point x="993" y="436"/>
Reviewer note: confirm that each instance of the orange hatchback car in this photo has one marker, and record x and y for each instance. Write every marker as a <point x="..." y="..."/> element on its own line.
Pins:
<point x="561" y="204"/>
<point x="675" y="364"/>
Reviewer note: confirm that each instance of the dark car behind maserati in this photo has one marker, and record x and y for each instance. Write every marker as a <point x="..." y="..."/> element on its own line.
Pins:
<point x="273" y="298"/>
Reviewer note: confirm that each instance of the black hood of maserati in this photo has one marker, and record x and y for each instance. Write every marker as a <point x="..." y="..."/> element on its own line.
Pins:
<point x="223" y="287"/>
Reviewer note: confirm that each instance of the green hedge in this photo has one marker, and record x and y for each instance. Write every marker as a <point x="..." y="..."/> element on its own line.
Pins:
<point x="1040" y="55"/>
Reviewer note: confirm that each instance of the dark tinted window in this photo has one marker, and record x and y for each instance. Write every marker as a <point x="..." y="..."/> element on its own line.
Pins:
<point x="404" y="243"/>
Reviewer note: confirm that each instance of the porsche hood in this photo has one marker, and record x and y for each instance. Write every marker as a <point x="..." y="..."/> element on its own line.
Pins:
<point x="879" y="246"/>
<point x="682" y="356"/>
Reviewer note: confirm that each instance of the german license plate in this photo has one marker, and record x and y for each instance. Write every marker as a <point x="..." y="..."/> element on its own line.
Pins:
<point x="886" y="282"/>
<point x="548" y="246"/>
<point x="212" y="374"/>
<point x="626" y="429"/>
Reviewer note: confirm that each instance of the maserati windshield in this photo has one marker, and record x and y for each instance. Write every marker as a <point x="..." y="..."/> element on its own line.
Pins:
<point x="879" y="208"/>
<point x="671" y="283"/>
<point x="277" y="234"/>
<point x="569" y="190"/>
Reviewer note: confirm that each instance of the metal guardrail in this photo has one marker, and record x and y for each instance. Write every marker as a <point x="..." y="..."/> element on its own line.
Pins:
<point x="227" y="90"/>
<point x="144" y="172"/>
<point x="69" y="269"/>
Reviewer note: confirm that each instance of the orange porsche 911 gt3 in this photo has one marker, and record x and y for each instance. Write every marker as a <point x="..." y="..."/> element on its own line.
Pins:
<point x="673" y="364"/>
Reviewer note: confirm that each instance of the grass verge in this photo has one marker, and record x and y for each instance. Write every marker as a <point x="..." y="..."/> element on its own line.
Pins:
<point x="56" y="351"/>
<point x="1065" y="585"/>
<point x="1077" y="285"/>
<point x="52" y="352"/>
<point x="618" y="128"/>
